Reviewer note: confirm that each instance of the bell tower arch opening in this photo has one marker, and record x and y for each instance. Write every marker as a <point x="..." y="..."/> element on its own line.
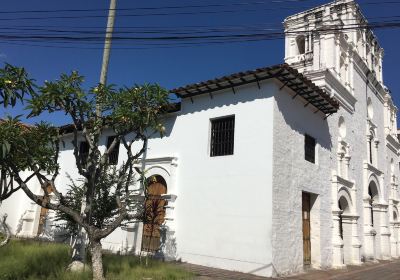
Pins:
<point x="301" y="44"/>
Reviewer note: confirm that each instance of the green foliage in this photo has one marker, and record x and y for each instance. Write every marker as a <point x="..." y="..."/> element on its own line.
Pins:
<point x="73" y="199"/>
<point x="25" y="260"/>
<point x="130" y="267"/>
<point x="133" y="114"/>
<point x="134" y="109"/>
<point x="104" y="208"/>
<point x="65" y="94"/>
<point x="138" y="108"/>
<point x="14" y="84"/>
<point x="27" y="146"/>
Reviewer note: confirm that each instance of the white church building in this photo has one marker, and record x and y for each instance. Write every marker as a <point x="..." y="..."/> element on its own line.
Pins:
<point x="274" y="170"/>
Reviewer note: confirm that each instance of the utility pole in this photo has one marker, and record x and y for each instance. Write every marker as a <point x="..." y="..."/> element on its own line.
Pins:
<point x="79" y="244"/>
<point x="107" y="43"/>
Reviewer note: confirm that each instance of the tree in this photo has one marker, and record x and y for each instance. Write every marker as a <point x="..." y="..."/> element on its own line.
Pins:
<point x="14" y="85"/>
<point x="133" y="114"/>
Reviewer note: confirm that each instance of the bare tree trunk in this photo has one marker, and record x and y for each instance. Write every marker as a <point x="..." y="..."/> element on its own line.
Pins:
<point x="97" y="260"/>
<point x="6" y="230"/>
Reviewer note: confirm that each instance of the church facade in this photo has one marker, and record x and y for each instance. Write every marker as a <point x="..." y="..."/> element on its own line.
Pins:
<point x="273" y="170"/>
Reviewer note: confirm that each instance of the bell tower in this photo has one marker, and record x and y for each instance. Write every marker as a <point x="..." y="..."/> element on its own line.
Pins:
<point x="332" y="36"/>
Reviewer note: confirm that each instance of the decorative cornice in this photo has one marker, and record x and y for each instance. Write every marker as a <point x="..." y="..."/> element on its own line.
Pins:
<point x="161" y="160"/>
<point x="380" y="205"/>
<point x="342" y="181"/>
<point x="350" y="216"/>
<point x="393" y="144"/>
<point x="372" y="168"/>
<point x="329" y="82"/>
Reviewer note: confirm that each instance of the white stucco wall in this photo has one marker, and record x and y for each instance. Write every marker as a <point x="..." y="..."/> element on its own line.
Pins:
<point x="224" y="203"/>
<point x="292" y="175"/>
<point x="22" y="213"/>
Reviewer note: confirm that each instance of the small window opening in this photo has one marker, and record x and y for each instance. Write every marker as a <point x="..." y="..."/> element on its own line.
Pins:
<point x="371" y="204"/>
<point x="309" y="148"/>
<point x="301" y="44"/>
<point x="222" y="136"/>
<point x="370" y="151"/>
<point x="113" y="156"/>
<point x="340" y="222"/>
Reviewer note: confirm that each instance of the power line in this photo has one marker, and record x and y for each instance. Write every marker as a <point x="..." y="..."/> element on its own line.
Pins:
<point x="81" y="17"/>
<point x="178" y="41"/>
<point x="156" y="8"/>
<point x="182" y="6"/>
<point x="161" y="30"/>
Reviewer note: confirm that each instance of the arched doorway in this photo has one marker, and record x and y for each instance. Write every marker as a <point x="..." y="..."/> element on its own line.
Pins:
<point x="154" y="213"/>
<point x="373" y="195"/>
<point x="394" y="233"/>
<point x="345" y="229"/>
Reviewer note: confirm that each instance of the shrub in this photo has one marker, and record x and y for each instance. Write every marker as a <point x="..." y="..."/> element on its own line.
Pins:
<point x="34" y="260"/>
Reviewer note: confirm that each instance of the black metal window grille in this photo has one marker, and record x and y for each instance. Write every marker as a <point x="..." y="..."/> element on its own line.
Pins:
<point x="309" y="148"/>
<point x="83" y="152"/>
<point x="222" y="136"/>
<point x="113" y="156"/>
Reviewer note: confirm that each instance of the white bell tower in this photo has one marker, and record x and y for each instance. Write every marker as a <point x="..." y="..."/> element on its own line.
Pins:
<point x="332" y="36"/>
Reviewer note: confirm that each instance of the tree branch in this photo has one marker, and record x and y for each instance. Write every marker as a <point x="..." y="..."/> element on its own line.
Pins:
<point x="46" y="203"/>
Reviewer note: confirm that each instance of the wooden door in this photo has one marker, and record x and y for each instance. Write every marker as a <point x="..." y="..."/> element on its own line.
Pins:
<point x="306" y="229"/>
<point x="42" y="220"/>
<point x="44" y="211"/>
<point x="154" y="216"/>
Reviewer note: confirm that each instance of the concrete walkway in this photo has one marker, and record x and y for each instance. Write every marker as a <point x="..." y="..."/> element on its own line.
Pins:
<point x="383" y="270"/>
<point x="206" y="273"/>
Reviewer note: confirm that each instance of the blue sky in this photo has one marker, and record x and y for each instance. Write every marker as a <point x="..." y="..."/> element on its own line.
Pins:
<point x="170" y="66"/>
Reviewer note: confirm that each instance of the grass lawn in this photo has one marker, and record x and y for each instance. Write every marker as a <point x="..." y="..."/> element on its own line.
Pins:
<point x="39" y="260"/>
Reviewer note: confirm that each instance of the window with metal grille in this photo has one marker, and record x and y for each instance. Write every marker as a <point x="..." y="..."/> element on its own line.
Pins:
<point x="83" y="152"/>
<point x="222" y="136"/>
<point x="309" y="148"/>
<point x="113" y="156"/>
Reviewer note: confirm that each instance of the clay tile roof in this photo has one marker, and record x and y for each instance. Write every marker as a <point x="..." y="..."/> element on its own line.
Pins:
<point x="289" y="76"/>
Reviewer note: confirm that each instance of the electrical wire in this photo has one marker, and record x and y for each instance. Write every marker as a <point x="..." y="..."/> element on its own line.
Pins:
<point x="184" y="13"/>
<point x="148" y="37"/>
<point x="182" y="6"/>
<point x="156" y="8"/>
<point x="180" y="41"/>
